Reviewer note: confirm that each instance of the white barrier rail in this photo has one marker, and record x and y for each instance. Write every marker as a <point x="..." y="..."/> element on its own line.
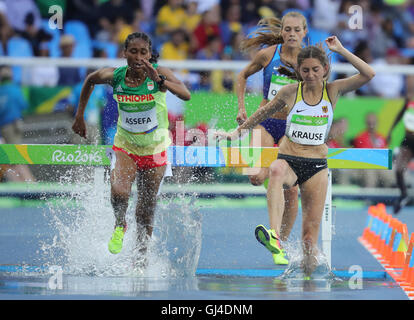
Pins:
<point x="181" y="64"/>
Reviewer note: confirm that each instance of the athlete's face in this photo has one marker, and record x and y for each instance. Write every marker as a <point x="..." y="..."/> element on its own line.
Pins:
<point x="312" y="71"/>
<point x="137" y="50"/>
<point x="293" y="31"/>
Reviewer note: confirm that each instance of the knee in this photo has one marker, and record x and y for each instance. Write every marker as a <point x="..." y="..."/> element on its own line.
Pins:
<point x="276" y="170"/>
<point x="119" y="191"/>
<point x="120" y="187"/>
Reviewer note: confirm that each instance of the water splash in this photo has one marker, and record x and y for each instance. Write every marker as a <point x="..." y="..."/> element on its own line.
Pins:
<point x="84" y="226"/>
<point x="294" y="269"/>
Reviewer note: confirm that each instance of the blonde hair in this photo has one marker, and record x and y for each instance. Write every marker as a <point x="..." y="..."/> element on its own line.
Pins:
<point x="269" y="32"/>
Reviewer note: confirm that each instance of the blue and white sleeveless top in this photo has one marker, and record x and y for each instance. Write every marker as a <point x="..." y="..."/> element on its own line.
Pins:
<point x="272" y="79"/>
<point x="310" y="124"/>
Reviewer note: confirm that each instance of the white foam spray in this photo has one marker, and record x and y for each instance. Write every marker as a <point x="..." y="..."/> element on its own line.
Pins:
<point x="85" y="225"/>
<point x="295" y="270"/>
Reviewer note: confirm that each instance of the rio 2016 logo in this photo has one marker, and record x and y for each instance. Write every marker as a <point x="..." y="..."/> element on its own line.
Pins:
<point x="76" y="157"/>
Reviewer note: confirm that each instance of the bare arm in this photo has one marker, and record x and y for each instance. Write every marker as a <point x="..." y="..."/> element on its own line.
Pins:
<point x="366" y="72"/>
<point x="171" y="83"/>
<point x="253" y="67"/>
<point x="275" y="105"/>
<point x="174" y="85"/>
<point x="101" y="76"/>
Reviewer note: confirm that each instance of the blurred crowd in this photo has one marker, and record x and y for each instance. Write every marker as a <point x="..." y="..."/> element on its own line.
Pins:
<point x="205" y="30"/>
<point x="202" y="30"/>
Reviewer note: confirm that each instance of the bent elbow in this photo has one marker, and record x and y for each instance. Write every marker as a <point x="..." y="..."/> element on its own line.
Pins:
<point x="89" y="80"/>
<point x="371" y="73"/>
<point x="187" y="96"/>
<point x="367" y="76"/>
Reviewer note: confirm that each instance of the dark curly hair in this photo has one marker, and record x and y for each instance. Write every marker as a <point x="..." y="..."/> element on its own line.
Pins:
<point x="145" y="37"/>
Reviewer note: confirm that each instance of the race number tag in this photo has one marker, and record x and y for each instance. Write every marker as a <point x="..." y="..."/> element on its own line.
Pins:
<point x="276" y="84"/>
<point x="139" y="122"/>
<point x="308" y="130"/>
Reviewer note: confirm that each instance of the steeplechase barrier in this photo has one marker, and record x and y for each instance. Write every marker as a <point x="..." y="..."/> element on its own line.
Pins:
<point x="201" y="156"/>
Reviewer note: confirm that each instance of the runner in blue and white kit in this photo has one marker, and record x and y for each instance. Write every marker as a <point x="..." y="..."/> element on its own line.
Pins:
<point x="283" y="40"/>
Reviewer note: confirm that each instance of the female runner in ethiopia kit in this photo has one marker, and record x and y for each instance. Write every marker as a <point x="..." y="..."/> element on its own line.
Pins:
<point x="142" y="137"/>
<point x="283" y="40"/>
<point x="309" y="106"/>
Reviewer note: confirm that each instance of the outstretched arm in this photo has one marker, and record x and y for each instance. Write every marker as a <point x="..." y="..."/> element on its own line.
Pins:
<point x="366" y="72"/>
<point x="101" y="76"/>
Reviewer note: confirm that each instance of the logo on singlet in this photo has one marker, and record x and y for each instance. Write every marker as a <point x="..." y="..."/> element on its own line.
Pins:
<point x="150" y="85"/>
